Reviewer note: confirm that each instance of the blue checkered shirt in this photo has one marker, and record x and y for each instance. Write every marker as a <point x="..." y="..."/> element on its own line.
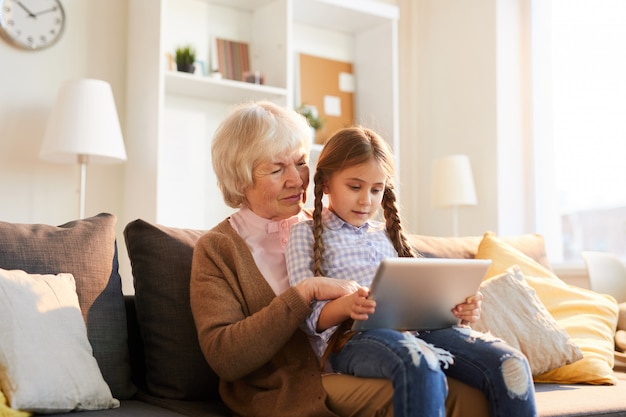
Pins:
<point x="350" y="253"/>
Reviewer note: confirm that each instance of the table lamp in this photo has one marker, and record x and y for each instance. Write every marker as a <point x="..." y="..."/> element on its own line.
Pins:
<point x="83" y="128"/>
<point x="453" y="185"/>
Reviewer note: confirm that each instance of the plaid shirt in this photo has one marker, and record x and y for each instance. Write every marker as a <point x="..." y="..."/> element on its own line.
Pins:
<point x="351" y="253"/>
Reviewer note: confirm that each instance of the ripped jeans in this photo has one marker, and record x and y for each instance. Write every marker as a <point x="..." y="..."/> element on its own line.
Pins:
<point x="418" y="365"/>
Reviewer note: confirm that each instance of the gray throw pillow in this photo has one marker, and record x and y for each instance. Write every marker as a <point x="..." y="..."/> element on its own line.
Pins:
<point x="86" y="249"/>
<point x="161" y="263"/>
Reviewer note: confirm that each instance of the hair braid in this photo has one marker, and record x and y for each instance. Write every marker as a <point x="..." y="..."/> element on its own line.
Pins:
<point x="394" y="226"/>
<point x="318" y="241"/>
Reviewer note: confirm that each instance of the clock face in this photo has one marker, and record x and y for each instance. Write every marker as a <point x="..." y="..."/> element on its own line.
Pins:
<point x="31" y="24"/>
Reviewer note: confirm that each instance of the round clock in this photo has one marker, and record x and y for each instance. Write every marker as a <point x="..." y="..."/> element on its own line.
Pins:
<point x="31" y="24"/>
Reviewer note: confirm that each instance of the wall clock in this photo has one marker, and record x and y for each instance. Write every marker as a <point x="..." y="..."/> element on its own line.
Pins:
<point x="31" y="24"/>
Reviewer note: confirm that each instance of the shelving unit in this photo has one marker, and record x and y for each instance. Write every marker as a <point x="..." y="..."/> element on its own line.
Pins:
<point x="206" y="88"/>
<point x="171" y="116"/>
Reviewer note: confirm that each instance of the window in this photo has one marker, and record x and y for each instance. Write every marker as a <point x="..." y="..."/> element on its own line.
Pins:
<point x="579" y="55"/>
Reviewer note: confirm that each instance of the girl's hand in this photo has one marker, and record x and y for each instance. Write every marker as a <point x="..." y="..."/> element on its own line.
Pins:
<point x="469" y="311"/>
<point x="354" y="305"/>
<point x="361" y="307"/>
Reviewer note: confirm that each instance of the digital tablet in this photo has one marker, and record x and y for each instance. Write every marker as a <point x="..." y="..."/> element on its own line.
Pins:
<point x="419" y="293"/>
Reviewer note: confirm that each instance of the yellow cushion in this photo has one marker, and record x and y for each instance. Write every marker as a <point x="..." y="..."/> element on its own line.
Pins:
<point x="589" y="318"/>
<point x="6" y="411"/>
<point x="505" y="255"/>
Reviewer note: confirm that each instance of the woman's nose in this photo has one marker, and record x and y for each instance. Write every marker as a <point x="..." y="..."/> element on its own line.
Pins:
<point x="293" y="177"/>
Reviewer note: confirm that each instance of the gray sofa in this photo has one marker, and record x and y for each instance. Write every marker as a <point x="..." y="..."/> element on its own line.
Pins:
<point x="146" y="345"/>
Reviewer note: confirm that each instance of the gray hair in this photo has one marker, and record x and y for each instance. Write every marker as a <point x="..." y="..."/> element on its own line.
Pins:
<point x="253" y="133"/>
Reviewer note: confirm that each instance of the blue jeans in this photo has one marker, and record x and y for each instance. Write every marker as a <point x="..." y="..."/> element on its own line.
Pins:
<point x="418" y="365"/>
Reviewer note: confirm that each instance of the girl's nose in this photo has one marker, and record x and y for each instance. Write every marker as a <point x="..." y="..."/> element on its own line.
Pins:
<point x="365" y="198"/>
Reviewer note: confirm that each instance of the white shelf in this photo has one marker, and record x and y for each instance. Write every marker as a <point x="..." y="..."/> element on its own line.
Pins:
<point x="172" y="116"/>
<point x="215" y="89"/>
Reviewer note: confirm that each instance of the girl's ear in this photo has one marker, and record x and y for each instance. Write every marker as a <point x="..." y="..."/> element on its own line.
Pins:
<point x="325" y="187"/>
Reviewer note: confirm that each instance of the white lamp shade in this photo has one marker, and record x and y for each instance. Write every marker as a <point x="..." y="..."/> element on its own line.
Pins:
<point x="84" y="122"/>
<point x="453" y="182"/>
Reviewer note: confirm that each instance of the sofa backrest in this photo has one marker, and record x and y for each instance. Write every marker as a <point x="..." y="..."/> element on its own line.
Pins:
<point x="531" y="244"/>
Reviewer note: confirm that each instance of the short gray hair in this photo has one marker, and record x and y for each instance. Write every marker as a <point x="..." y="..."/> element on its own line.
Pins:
<point x="251" y="134"/>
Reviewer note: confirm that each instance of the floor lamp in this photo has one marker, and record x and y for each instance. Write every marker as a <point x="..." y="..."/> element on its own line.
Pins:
<point x="453" y="185"/>
<point x="83" y="128"/>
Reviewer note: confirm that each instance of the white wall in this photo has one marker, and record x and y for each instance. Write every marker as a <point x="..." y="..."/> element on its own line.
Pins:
<point x="451" y="73"/>
<point x="92" y="46"/>
<point x="463" y="91"/>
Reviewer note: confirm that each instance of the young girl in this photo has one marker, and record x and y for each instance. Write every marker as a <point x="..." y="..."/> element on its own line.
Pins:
<point x="355" y="170"/>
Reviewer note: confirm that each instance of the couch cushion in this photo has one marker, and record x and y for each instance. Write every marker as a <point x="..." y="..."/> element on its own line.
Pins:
<point x="161" y="263"/>
<point x="512" y="311"/>
<point x="141" y="408"/>
<point x="86" y="249"/>
<point x="556" y="400"/>
<point x="46" y="361"/>
<point x="589" y="318"/>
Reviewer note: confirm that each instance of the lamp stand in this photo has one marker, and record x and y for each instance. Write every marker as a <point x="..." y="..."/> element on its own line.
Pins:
<point x="82" y="160"/>
<point x="455" y="220"/>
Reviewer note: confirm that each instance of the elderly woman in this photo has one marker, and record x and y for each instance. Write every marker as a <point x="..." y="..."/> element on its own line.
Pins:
<point x="247" y="316"/>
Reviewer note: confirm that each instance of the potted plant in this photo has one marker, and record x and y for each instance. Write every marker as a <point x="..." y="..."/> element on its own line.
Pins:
<point x="185" y="58"/>
<point x="312" y="117"/>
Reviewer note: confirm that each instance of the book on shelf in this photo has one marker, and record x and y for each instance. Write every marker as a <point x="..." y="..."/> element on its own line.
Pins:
<point x="232" y="58"/>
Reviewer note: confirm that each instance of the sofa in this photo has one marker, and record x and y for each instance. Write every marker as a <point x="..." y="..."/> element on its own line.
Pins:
<point x="145" y="349"/>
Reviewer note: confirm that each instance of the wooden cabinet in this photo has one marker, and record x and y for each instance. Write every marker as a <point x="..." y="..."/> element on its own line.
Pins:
<point x="171" y="116"/>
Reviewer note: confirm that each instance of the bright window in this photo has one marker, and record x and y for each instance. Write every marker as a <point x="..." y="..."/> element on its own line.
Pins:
<point x="580" y="107"/>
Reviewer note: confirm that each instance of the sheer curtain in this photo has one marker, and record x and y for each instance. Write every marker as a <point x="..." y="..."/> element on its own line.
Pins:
<point x="580" y="119"/>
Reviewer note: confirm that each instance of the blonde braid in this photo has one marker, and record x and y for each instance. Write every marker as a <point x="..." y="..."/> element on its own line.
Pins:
<point x="394" y="226"/>
<point x="318" y="226"/>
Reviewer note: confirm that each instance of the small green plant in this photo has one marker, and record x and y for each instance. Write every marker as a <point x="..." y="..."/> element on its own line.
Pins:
<point x="185" y="55"/>
<point x="310" y="114"/>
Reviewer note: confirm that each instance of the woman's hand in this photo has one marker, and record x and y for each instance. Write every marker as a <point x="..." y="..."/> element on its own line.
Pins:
<point x="322" y="288"/>
<point x="469" y="311"/>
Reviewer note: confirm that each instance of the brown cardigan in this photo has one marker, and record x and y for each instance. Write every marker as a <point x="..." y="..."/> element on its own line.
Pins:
<point x="250" y="336"/>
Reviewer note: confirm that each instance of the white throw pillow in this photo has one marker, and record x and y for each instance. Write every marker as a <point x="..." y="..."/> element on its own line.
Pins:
<point x="46" y="361"/>
<point x="512" y="312"/>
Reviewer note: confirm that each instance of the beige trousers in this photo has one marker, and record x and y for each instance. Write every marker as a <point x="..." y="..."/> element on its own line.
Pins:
<point x="349" y="396"/>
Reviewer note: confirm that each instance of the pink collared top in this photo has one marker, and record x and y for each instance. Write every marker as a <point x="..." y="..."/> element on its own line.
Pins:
<point x="267" y="240"/>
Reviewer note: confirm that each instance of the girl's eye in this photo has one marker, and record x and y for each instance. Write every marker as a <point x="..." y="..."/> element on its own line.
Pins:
<point x="354" y="187"/>
<point x="377" y="191"/>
